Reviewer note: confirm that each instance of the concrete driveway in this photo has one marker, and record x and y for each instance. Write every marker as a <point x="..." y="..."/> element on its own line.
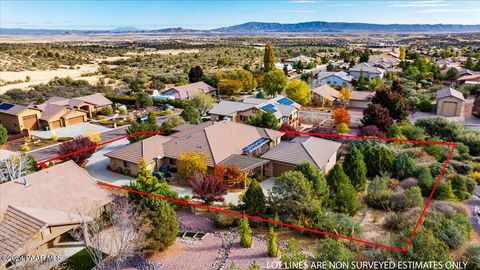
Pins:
<point x="82" y="129"/>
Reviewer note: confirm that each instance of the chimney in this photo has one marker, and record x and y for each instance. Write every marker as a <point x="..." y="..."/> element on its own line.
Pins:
<point x="25" y="182"/>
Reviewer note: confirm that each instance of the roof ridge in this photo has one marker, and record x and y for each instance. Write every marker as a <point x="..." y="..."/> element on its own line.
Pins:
<point x="209" y="144"/>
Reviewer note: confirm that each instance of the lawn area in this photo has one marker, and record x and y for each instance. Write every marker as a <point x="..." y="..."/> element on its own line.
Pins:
<point x="79" y="261"/>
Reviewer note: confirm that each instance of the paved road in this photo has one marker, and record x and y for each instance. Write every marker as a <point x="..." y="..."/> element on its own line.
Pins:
<point x="470" y="204"/>
<point x="52" y="151"/>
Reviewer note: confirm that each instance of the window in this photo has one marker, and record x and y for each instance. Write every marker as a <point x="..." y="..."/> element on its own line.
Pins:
<point x="125" y="164"/>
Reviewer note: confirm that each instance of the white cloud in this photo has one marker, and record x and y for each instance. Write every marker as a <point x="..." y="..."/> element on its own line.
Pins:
<point x="433" y="3"/>
<point x="343" y="5"/>
<point x="443" y="10"/>
<point x="302" y="1"/>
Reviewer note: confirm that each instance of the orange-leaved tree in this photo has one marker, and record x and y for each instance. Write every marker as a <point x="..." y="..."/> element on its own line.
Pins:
<point x="341" y="115"/>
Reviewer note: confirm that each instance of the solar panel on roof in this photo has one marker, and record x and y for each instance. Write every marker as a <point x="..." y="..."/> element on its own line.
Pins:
<point x="255" y="145"/>
<point x="285" y="101"/>
<point x="6" y="106"/>
<point x="269" y="107"/>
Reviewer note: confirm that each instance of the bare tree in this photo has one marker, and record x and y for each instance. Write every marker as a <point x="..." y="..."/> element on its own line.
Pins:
<point x="120" y="234"/>
<point x="14" y="167"/>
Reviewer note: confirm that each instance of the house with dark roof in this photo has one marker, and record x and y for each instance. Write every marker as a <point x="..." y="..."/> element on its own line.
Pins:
<point x="37" y="210"/>
<point x="450" y="102"/>
<point x="288" y="154"/>
<point x="221" y="142"/>
<point x="284" y="109"/>
<point x="189" y="90"/>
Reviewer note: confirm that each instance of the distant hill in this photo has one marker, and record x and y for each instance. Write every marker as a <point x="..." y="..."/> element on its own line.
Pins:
<point x="263" y="27"/>
<point x="345" y="27"/>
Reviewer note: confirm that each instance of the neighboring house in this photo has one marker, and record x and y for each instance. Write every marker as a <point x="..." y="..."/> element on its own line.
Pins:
<point x="302" y="58"/>
<point x="189" y="90"/>
<point x="469" y="79"/>
<point x="338" y="79"/>
<point x="54" y="113"/>
<point x="39" y="209"/>
<point x="288" y="154"/>
<point x="450" y="102"/>
<point x="18" y="118"/>
<point x="369" y="71"/>
<point x="221" y="142"/>
<point x="360" y="99"/>
<point x="325" y="95"/>
<point x="284" y="109"/>
<point x="281" y="66"/>
<point x="90" y="104"/>
<point x="447" y="64"/>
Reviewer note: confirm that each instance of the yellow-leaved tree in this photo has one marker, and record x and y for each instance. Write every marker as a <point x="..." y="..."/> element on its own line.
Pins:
<point x="191" y="163"/>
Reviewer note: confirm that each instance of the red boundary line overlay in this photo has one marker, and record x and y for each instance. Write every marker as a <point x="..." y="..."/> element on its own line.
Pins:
<point x="44" y="164"/>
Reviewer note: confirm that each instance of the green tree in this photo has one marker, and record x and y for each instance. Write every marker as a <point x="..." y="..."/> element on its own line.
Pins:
<point x="459" y="187"/>
<point x="379" y="159"/>
<point x="362" y="83"/>
<point x="268" y="58"/>
<point x="274" y="82"/>
<point x="299" y="91"/>
<point x="264" y="120"/>
<point x="190" y="114"/>
<point x="170" y="123"/>
<point x="291" y="193"/>
<point x="3" y="134"/>
<point x="343" y="196"/>
<point x="254" y="199"/>
<point x="424" y="247"/>
<point x="425" y="180"/>
<point x="355" y="168"/>
<point x="202" y="102"/>
<point x="444" y="191"/>
<point x="365" y="55"/>
<point x="144" y="99"/>
<point x="402" y="54"/>
<point x="245" y="233"/>
<point x="272" y="243"/>
<point x="145" y="126"/>
<point x="332" y="250"/>
<point x="292" y="255"/>
<point x="469" y="64"/>
<point x="159" y="214"/>
<point x="316" y="177"/>
<point x="404" y="166"/>
<point x="452" y="74"/>
<point x="163" y="222"/>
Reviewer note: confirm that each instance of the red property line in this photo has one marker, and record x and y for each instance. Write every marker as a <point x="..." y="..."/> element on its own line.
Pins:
<point x="234" y="213"/>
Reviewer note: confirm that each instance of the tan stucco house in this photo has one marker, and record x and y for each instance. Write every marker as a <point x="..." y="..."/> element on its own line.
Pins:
<point x="223" y="142"/>
<point x="40" y="208"/>
<point x="18" y="118"/>
<point x="284" y="109"/>
<point x="288" y="154"/>
<point x="450" y="102"/>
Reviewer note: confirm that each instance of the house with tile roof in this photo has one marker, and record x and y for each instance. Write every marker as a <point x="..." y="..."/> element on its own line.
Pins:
<point x="38" y="209"/>
<point x="19" y="118"/>
<point x="370" y="71"/>
<point x="220" y="142"/>
<point x="288" y="154"/>
<point x="284" y="109"/>
<point x="450" y="102"/>
<point x="189" y="90"/>
<point x="54" y="113"/>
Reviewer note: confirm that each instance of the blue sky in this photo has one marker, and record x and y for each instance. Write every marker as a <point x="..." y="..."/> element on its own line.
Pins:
<point x="212" y="14"/>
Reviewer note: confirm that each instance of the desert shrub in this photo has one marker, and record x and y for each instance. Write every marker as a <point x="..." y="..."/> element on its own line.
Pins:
<point x="471" y="185"/>
<point x="332" y="250"/>
<point x="425" y="180"/>
<point x="106" y="111"/>
<point x="224" y="221"/>
<point x="461" y="166"/>
<point x="444" y="191"/>
<point x="337" y="223"/>
<point x="448" y="209"/>
<point x="409" y="182"/>
<point x="404" y="166"/>
<point x="377" y="193"/>
<point x="472" y="256"/>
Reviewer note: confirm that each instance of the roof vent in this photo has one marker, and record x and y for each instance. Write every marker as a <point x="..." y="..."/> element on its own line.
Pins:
<point x="199" y="147"/>
<point x="25" y="182"/>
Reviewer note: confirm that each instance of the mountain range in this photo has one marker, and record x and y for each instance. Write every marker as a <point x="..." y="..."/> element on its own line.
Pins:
<point x="263" y="27"/>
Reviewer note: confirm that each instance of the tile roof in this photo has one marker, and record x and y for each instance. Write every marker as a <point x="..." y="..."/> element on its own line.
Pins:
<point x="449" y="92"/>
<point x="12" y="109"/>
<point x="366" y="67"/>
<point x="230" y="108"/>
<point x="64" y="187"/>
<point x="218" y="140"/>
<point x="303" y="149"/>
<point x="244" y="163"/>
<point x="50" y="111"/>
<point x="362" y="95"/>
<point x="327" y="92"/>
<point x="189" y="90"/>
<point x="469" y="77"/>
<point x="148" y="149"/>
<point x="96" y="99"/>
